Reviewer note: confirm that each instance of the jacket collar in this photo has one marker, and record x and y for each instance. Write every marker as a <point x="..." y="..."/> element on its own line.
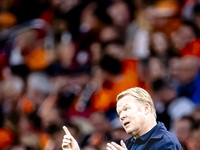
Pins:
<point x="158" y="133"/>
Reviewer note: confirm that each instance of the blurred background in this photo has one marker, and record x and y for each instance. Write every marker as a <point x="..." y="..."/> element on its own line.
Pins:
<point x="63" y="62"/>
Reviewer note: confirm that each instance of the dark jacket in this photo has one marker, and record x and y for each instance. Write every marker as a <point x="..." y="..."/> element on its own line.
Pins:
<point x="157" y="138"/>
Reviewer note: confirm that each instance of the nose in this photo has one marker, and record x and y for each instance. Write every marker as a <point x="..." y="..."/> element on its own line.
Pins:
<point x="122" y="116"/>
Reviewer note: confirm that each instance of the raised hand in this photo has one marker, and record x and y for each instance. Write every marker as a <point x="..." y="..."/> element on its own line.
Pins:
<point x="115" y="146"/>
<point x="69" y="143"/>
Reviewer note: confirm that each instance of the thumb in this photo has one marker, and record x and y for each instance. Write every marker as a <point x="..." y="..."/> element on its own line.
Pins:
<point x="66" y="131"/>
<point x="123" y="144"/>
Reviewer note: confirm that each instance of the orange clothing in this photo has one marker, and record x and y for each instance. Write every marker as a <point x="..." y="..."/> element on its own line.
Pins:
<point x="106" y="98"/>
<point x="172" y="25"/>
<point x="6" y="138"/>
<point x="27" y="105"/>
<point x="36" y="60"/>
<point x="103" y="99"/>
<point x="191" y="49"/>
<point x="44" y="138"/>
<point x="7" y="19"/>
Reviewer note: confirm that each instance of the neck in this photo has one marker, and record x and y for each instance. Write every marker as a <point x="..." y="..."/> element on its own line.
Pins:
<point x="148" y="125"/>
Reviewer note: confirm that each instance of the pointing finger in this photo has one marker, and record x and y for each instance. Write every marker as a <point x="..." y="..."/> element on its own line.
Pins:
<point x="66" y="130"/>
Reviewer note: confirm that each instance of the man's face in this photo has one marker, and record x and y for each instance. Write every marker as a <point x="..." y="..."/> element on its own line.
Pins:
<point x="182" y="129"/>
<point x="131" y="115"/>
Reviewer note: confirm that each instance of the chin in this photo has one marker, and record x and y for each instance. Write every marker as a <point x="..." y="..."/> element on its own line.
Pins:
<point x="129" y="132"/>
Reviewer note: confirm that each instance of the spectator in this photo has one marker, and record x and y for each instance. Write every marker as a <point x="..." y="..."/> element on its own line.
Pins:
<point x="189" y="38"/>
<point x="183" y="128"/>
<point x="82" y="56"/>
<point x="196" y="114"/>
<point x="193" y="142"/>
<point x="189" y="77"/>
<point x="174" y="107"/>
<point x="101" y="130"/>
<point x="7" y="18"/>
<point x="114" y="79"/>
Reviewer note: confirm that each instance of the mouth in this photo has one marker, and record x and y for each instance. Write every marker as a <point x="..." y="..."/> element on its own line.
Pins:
<point x="126" y="123"/>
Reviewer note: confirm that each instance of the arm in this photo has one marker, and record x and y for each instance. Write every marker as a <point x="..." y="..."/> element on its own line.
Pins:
<point x="69" y="143"/>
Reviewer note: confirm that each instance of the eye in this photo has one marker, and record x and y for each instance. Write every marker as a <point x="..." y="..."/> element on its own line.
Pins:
<point x="127" y="108"/>
<point x="119" y="113"/>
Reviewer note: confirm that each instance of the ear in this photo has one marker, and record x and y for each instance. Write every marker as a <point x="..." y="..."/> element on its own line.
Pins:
<point x="147" y="108"/>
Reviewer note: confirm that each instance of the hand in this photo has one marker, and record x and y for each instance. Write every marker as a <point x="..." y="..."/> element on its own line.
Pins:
<point x="114" y="146"/>
<point x="69" y="143"/>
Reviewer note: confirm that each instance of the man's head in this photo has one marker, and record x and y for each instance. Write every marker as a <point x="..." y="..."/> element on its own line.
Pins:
<point x="189" y="67"/>
<point x="141" y="96"/>
<point x="136" y="111"/>
<point x="183" y="127"/>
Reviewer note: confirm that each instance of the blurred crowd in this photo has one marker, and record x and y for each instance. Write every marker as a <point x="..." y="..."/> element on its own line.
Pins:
<point x="63" y="62"/>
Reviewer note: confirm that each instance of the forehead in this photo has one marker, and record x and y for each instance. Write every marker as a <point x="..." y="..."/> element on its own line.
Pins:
<point x="126" y="100"/>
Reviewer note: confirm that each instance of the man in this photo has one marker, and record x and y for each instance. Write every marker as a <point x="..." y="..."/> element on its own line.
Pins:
<point x="138" y="117"/>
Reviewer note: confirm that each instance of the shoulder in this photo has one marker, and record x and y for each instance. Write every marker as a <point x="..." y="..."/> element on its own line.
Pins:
<point x="163" y="139"/>
<point x="169" y="141"/>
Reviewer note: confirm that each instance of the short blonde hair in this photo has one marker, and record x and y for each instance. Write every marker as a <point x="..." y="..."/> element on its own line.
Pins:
<point x="141" y="95"/>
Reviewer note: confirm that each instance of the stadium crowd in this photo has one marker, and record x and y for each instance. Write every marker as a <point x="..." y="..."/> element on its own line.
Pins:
<point x="63" y="62"/>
